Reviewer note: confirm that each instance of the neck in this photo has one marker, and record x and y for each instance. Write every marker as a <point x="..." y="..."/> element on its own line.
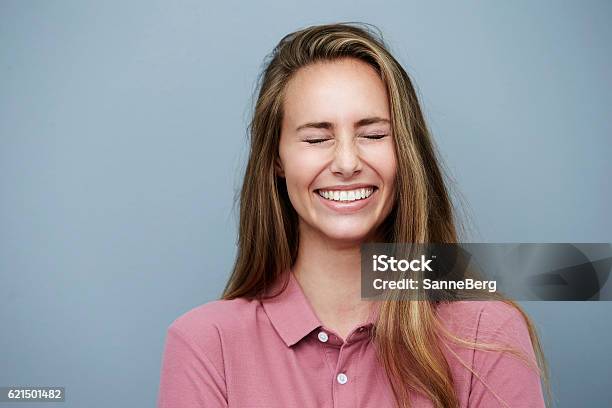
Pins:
<point x="329" y="273"/>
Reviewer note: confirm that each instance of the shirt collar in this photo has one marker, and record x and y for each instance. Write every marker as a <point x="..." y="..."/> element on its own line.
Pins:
<point x="291" y="313"/>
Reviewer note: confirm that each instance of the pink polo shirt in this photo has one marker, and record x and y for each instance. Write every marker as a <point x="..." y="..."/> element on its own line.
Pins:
<point x="276" y="353"/>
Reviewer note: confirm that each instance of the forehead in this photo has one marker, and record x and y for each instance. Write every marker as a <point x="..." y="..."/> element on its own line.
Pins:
<point x="335" y="91"/>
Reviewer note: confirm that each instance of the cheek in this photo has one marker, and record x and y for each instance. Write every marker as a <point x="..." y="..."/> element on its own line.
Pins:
<point x="384" y="162"/>
<point x="301" y="170"/>
<point x="390" y="169"/>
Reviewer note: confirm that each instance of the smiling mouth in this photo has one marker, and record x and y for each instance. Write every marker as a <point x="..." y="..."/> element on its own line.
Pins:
<point x="347" y="196"/>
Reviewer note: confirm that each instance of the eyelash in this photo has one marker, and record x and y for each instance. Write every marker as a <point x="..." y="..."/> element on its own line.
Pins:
<point x="371" y="137"/>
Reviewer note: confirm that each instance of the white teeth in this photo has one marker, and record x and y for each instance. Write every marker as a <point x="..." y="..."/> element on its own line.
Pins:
<point x="346" y="195"/>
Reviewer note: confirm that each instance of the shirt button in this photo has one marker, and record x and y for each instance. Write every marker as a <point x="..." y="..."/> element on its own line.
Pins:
<point x="323" y="336"/>
<point x="342" y="378"/>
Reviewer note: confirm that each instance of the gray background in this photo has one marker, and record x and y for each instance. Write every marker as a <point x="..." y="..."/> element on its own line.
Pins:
<point x="122" y="141"/>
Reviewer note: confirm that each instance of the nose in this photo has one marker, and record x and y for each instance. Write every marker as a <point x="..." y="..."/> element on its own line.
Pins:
<point x="346" y="161"/>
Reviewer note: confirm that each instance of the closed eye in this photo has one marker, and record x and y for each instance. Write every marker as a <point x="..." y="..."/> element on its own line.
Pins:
<point x="315" y="141"/>
<point x="321" y="140"/>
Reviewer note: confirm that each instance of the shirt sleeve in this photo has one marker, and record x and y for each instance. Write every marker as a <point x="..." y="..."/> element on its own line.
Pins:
<point x="502" y="379"/>
<point x="188" y="377"/>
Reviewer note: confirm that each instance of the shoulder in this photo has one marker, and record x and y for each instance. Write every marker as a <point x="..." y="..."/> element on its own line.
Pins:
<point x="194" y="366"/>
<point x="503" y="367"/>
<point x="484" y="319"/>
<point x="203" y="324"/>
<point x="212" y="328"/>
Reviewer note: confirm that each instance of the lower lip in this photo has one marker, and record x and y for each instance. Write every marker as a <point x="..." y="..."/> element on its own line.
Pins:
<point x="347" y="207"/>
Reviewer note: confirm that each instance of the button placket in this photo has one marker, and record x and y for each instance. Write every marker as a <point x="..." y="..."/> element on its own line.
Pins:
<point x="329" y="349"/>
<point x="345" y="394"/>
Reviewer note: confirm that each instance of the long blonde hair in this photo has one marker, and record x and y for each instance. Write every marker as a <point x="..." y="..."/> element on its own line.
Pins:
<point x="407" y="332"/>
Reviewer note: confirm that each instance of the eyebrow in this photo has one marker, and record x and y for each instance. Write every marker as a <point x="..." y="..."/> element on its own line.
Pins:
<point x="329" y="125"/>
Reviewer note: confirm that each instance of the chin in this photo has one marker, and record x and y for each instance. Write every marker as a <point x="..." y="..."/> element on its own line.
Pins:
<point x="346" y="234"/>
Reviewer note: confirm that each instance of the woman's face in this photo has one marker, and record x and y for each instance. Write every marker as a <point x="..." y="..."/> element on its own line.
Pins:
<point x="336" y="149"/>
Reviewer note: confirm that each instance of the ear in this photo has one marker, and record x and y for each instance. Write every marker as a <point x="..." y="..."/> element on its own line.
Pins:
<point x="278" y="167"/>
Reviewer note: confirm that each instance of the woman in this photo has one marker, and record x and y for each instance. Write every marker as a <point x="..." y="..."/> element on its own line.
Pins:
<point x="340" y="155"/>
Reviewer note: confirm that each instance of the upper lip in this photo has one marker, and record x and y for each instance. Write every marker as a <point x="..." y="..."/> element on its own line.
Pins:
<point x="347" y="186"/>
